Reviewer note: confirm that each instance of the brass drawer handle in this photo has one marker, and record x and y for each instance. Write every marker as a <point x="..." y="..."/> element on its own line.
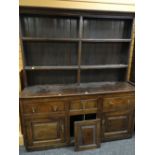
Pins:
<point x="55" y="108"/>
<point x="111" y="103"/>
<point x="128" y="101"/>
<point x="62" y="128"/>
<point x="33" y="110"/>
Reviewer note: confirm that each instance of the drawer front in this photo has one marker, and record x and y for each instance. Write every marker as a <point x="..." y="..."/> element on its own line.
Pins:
<point x="83" y="104"/>
<point x="90" y="104"/>
<point x="76" y="105"/>
<point x="43" y="107"/>
<point x="118" y="103"/>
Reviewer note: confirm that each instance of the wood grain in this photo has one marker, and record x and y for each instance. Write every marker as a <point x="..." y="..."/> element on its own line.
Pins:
<point x="128" y="7"/>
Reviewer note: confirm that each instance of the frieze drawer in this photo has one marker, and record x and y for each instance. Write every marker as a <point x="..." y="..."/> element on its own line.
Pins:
<point x="35" y="107"/>
<point x="118" y="103"/>
<point x="83" y="104"/>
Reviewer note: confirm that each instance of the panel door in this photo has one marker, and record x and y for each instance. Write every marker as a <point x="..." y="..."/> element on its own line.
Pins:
<point x="45" y="132"/>
<point x="87" y="134"/>
<point x="117" y="125"/>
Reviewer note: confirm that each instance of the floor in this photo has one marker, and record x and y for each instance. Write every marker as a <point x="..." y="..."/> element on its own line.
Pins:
<point x="120" y="147"/>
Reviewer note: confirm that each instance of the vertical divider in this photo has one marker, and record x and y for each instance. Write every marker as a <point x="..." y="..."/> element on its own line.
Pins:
<point x="131" y="51"/>
<point x="23" y="54"/>
<point x="80" y="49"/>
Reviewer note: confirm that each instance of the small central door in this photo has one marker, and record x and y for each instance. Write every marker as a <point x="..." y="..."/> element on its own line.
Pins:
<point x="87" y="134"/>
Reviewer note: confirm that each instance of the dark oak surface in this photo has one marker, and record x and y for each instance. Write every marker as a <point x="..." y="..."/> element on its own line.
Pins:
<point x="74" y="89"/>
<point x="43" y="116"/>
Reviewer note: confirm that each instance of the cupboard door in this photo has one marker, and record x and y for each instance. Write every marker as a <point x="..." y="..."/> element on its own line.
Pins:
<point x="45" y="132"/>
<point x="87" y="134"/>
<point x="117" y="125"/>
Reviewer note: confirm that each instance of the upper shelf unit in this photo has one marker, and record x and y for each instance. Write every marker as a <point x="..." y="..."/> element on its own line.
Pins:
<point x="62" y="47"/>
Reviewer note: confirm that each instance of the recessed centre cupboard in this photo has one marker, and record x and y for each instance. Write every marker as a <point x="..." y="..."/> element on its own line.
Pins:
<point x="76" y="77"/>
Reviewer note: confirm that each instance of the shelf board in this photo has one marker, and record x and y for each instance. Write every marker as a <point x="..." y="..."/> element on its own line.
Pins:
<point x="73" y="39"/>
<point x="49" y="39"/>
<point x="50" y="67"/>
<point x="106" y="40"/>
<point x="104" y="66"/>
<point x="75" y="67"/>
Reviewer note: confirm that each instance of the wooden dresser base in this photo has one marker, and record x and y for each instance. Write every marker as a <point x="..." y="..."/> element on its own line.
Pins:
<point x="52" y="121"/>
